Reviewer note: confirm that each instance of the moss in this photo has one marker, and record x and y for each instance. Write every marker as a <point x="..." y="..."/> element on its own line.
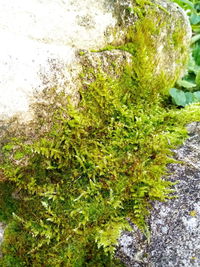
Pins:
<point x="143" y="38"/>
<point x="98" y="163"/>
<point x="92" y="171"/>
<point x="8" y="205"/>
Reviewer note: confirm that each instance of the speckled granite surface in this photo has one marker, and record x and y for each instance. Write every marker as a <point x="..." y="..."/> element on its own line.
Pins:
<point x="175" y="224"/>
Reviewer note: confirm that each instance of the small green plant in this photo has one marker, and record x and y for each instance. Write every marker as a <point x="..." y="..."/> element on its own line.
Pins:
<point x="182" y="98"/>
<point x="187" y="89"/>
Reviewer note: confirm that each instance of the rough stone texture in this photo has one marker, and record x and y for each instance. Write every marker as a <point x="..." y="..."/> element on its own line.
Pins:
<point x="168" y="57"/>
<point x="45" y="102"/>
<point x="40" y="40"/>
<point x="175" y="224"/>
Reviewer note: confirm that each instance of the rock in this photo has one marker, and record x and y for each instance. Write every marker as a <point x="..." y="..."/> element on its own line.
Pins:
<point x="39" y="39"/>
<point x="40" y="43"/>
<point x="48" y="45"/>
<point x="175" y="224"/>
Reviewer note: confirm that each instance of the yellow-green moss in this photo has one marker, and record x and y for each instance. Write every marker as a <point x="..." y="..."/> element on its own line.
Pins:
<point x="142" y="40"/>
<point x="99" y="164"/>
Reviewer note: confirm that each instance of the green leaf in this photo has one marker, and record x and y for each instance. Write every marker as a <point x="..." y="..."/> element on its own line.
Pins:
<point x="178" y="97"/>
<point x="197" y="6"/>
<point x="196" y="28"/>
<point x="196" y="53"/>
<point x="185" y="4"/>
<point x="197" y="79"/>
<point x="189" y="97"/>
<point x="186" y="84"/>
<point x="192" y="66"/>
<point x="195" y="38"/>
<point x="196" y="96"/>
<point x="194" y="19"/>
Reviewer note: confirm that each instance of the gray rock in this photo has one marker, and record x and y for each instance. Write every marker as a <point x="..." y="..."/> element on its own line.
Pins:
<point x="175" y="224"/>
<point x="40" y="41"/>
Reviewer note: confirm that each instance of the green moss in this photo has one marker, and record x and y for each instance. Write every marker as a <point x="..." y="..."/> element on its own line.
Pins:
<point x="8" y="205"/>
<point x="93" y="170"/>
<point x="142" y="40"/>
<point x="99" y="164"/>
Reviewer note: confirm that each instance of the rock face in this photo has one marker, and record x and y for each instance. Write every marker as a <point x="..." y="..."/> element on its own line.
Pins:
<point x="174" y="225"/>
<point x="40" y="40"/>
<point x="47" y="44"/>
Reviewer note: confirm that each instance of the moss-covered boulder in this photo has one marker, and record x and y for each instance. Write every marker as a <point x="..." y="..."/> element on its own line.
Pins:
<point x="162" y="32"/>
<point x="92" y="156"/>
<point x="156" y="33"/>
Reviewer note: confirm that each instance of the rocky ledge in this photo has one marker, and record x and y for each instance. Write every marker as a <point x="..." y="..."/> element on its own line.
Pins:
<point x="175" y="224"/>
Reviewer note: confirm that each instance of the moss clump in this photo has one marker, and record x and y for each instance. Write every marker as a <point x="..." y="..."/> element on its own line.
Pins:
<point x="99" y="164"/>
<point x="156" y="40"/>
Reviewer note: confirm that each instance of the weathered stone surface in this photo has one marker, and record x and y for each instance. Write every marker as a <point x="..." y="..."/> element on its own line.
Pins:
<point x="175" y="224"/>
<point x="40" y="40"/>
<point x="169" y="56"/>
